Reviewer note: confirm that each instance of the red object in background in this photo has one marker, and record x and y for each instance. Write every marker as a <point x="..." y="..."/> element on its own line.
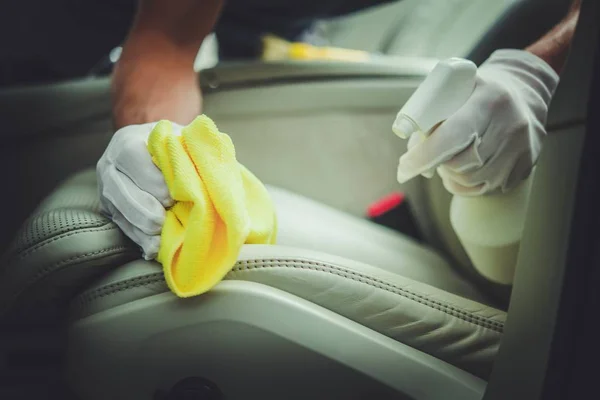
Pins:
<point x="385" y="204"/>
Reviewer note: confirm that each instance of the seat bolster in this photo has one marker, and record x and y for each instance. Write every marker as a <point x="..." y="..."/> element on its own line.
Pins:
<point x="460" y="331"/>
<point x="63" y="247"/>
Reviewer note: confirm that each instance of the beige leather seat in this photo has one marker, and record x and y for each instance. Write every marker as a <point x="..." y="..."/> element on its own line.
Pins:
<point x="375" y="312"/>
<point x="341" y="309"/>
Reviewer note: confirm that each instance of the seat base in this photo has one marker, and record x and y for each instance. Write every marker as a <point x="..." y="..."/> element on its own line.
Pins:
<point x="251" y="341"/>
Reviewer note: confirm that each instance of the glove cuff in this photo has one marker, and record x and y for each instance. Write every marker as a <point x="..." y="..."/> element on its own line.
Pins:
<point x="532" y="69"/>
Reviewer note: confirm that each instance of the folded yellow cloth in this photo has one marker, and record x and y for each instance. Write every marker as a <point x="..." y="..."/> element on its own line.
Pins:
<point x="219" y="205"/>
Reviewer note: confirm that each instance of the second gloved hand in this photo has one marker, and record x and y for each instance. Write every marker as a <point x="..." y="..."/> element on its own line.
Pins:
<point x="132" y="189"/>
<point x="493" y="141"/>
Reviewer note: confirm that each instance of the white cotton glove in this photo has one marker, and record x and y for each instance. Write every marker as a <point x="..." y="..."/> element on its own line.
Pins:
<point x="493" y="141"/>
<point x="133" y="192"/>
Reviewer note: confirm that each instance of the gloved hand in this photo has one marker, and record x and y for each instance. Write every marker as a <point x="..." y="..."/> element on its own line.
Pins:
<point x="493" y="141"/>
<point x="133" y="192"/>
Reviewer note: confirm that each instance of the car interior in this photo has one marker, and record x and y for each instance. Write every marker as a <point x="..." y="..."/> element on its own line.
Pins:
<point x="342" y="307"/>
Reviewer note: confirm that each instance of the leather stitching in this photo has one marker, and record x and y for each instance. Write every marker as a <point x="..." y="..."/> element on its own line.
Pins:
<point x="25" y="246"/>
<point x="58" y="265"/>
<point x="355" y="276"/>
<point x="105" y="227"/>
<point x="113" y="288"/>
<point x="247" y="265"/>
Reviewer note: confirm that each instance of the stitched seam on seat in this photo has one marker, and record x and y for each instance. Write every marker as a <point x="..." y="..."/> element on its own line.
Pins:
<point x="419" y="298"/>
<point x="75" y="226"/>
<point x="101" y="228"/>
<point x="247" y="265"/>
<point x="53" y="267"/>
<point x="138" y="281"/>
<point x="50" y="268"/>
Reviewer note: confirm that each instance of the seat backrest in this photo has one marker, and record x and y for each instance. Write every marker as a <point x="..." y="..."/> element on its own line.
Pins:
<point x="48" y="133"/>
<point x="417" y="28"/>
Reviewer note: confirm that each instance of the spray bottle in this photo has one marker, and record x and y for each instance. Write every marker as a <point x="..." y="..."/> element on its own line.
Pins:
<point x="490" y="226"/>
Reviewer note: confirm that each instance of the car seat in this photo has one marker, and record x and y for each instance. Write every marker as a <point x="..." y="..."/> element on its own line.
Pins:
<point x="286" y="317"/>
<point x="341" y="308"/>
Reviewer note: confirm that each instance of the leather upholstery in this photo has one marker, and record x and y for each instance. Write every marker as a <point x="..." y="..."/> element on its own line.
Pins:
<point x="462" y="332"/>
<point x="362" y="271"/>
<point x="62" y="247"/>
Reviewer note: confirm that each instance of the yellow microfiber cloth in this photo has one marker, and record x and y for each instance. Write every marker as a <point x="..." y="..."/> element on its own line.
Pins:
<point x="275" y="49"/>
<point x="219" y="205"/>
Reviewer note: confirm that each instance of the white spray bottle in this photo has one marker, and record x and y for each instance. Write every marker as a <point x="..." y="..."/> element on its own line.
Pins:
<point x="489" y="226"/>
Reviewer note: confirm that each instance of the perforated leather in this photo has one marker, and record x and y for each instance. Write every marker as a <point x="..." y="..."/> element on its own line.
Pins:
<point x="64" y="245"/>
<point x="385" y="281"/>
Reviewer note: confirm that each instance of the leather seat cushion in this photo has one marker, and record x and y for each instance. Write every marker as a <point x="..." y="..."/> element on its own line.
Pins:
<point x="307" y="224"/>
<point x="365" y="272"/>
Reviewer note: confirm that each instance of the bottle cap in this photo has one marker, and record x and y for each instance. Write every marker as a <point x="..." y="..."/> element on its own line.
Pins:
<point x="404" y="126"/>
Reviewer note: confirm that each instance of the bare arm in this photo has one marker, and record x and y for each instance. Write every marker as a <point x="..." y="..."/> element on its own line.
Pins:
<point x="554" y="46"/>
<point x="154" y="78"/>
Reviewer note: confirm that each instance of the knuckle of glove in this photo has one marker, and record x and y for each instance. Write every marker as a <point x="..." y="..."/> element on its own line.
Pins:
<point x="130" y="148"/>
<point x="459" y="186"/>
<point x="467" y="179"/>
<point x="503" y="98"/>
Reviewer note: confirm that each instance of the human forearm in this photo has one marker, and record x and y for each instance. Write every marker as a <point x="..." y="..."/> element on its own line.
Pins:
<point x="154" y="78"/>
<point x="146" y="87"/>
<point x="554" y="46"/>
